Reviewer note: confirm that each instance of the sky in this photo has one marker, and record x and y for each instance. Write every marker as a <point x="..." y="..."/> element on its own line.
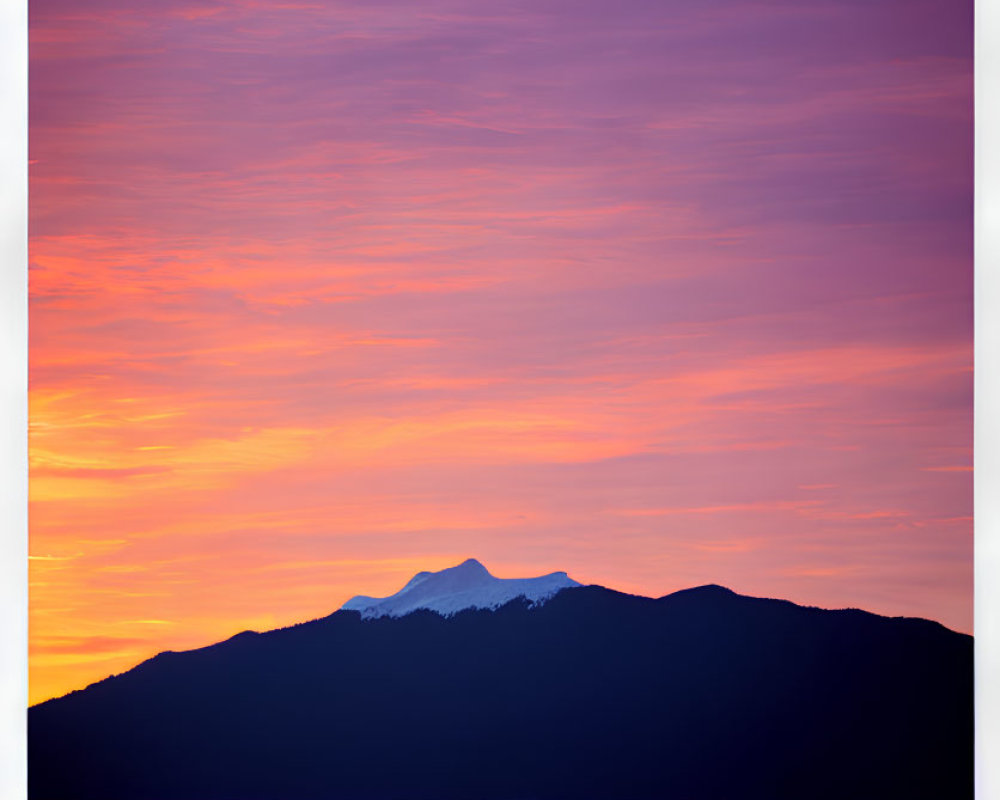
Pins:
<point x="325" y="294"/>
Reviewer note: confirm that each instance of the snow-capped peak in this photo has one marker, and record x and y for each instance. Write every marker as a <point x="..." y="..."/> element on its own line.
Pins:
<point x="468" y="585"/>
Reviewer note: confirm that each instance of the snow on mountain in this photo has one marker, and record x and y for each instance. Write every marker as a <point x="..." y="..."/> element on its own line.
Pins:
<point x="468" y="585"/>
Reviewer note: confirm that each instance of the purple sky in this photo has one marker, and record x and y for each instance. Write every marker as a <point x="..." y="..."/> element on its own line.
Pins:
<point x="324" y="294"/>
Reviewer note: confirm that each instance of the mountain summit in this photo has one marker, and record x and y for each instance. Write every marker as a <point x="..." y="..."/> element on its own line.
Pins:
<point x="468" y="585"/>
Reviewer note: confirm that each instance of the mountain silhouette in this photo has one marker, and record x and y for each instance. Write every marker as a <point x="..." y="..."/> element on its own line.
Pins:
<point x="702" y="694"/>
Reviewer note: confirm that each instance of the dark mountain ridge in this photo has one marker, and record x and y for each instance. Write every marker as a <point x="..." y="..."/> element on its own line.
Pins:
<point x="594" y="694"/>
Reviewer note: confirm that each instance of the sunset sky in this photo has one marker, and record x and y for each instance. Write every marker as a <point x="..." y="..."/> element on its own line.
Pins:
<point x="657" y="293"/>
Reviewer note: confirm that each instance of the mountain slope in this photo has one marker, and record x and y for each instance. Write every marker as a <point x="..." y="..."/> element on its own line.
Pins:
<point x="594" y="694"/>
<point x="468" y="585"/>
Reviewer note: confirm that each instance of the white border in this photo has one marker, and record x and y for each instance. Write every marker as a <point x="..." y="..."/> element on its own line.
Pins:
<point x="987" y="382"/>
<point x="13" y="396"/>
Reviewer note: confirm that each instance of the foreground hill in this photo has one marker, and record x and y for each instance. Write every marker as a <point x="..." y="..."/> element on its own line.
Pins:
<point x="593" y="694"/>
